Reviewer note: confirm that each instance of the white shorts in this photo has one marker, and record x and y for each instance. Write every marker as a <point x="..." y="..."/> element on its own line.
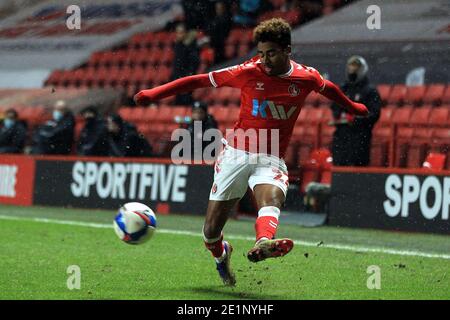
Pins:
<point x="235" y="170"/>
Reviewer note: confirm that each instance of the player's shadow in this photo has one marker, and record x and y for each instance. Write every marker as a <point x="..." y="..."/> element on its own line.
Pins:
<point x="234" y="293"/>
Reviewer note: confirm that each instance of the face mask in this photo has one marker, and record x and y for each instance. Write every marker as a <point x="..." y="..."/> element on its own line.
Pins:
<point x="8" y="123"/>
<point x="57" y="115"/>
<point x="352" y="77"/>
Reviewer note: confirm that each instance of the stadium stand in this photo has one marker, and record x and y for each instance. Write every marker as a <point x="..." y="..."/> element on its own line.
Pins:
<point x="414" y="121"/>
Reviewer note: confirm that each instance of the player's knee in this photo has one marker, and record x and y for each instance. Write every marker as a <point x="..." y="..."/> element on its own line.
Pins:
<point x="210" y="231"/>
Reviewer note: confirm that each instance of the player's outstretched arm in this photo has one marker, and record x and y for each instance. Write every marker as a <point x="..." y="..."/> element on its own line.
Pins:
<point x="333" y="92"/>
<point x="182" y="85"/>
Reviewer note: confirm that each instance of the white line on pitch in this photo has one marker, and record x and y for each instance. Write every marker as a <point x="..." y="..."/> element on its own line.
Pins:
<point x="237" y="237"/>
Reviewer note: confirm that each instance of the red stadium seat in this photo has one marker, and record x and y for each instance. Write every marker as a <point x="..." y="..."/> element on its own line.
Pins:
<point x="233" y="114"/>
<point x="380" y="143"/>
<point x="446" y="96"/>
<point x="404" y="138"/>
<point x="386" y="114"/>
<point x="243" y="49"/>
<point x="420" y="116"/>
<point x="155" y="56"/>
<point x="277" y="4"/>
<point x="326" y="174"/>
<point x="162" y="75"/>
<point x="304" y="114"/>
<point x="312" y="168"/>
<point x="414" y="95"/>
<point x="327" y="136"/>
<point x="165" y="114"/>
<point x="221" y="113"/>
<point x="435" y="161"/>
<point x="150" y="114"/>
<point x="126" y="113"/>
<point x="434" y="94"/>
<point x="137" y="41"/>
<point x="290" y="157"/>
<point x="179" y="111"/>
<point x="441" y="140"/>
<point x="440" y="116"/>
<point x="119" y="57"/>
<point x="397" y="95"/>
<point x="316" y="115"/>
<point x="384" y="91"/>
<point x="230" y="51"/>
<point x="402" y="115"/>
<point x="419" y="146"/>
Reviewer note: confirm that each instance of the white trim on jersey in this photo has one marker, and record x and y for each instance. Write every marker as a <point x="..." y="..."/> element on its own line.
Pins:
<point x="211" y="78"/>
<point x="324" y="85"/>
<point x="287" y="74"/>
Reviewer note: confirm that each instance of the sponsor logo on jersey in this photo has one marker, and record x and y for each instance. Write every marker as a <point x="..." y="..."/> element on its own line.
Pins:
<point x="277" y="111"/>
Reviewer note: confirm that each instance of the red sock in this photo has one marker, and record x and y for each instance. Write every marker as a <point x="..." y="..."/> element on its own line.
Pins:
<point x="266" y="227"/>
<point x="267" y="222"/>
<point x="216" y="246"/>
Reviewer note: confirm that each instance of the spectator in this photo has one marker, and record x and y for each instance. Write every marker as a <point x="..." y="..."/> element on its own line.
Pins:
<point x="218" y="30"/>
<point x="353" y="135"/>
<point x="57" y="135"/>
<point x="310" y="9"/>
<point x="249" y="10"/>
<point x="124" y="140"/>
<point x="186" y="60"/>
<point x="201" y="116"/>
<point x="93" y="137"/>
<point x="195" y="12"/>
<point x="12" y="134"/>
<point x="206" y="54"/>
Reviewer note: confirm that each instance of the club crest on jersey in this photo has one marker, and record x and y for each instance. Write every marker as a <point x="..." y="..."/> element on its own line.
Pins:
<point x="259" y="86"/>
<point x="277" y="111"/>
<point x="293" y="90"/>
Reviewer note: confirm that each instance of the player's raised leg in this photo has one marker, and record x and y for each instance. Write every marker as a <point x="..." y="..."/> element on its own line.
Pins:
<point x="269" y="199"/>
<point x="216" y="217"/>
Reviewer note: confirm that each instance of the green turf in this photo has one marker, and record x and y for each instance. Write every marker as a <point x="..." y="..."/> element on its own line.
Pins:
<point x="35" y="257"/>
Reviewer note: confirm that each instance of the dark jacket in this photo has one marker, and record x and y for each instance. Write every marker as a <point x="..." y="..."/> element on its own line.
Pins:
<point x="218" y="31"/>
<point x="208" y="123"/>
<point x="128" y="143"/>
<point x="12" y="140"/>
<point x="55" y="137"/>
<point x="351" y="142"/>
<point x="93" y="139"/>
<point x="186" y="60"/>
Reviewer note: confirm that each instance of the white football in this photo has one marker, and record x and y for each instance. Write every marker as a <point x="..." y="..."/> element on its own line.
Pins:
<point x="135" y="223"/>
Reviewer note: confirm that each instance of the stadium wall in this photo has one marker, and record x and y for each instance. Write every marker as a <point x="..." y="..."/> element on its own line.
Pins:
<point x="105" y="183"/>
<point x="393" y="199"/>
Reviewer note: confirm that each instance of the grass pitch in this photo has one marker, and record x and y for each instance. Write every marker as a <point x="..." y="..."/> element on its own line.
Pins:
<point x="36" y="253"/>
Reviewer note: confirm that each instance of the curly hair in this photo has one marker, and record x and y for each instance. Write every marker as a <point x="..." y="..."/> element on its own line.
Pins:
<point x="275" y="30"/>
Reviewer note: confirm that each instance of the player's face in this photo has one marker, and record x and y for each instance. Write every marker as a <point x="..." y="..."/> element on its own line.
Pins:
<point x="274" y="58"/>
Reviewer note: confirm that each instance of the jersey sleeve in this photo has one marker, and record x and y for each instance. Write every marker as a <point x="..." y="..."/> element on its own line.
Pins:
<point x="318" y="83"/>
<point x="228" y="77"/>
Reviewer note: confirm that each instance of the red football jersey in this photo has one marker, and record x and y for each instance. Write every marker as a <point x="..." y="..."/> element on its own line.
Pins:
<point x="267" y="102"/>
